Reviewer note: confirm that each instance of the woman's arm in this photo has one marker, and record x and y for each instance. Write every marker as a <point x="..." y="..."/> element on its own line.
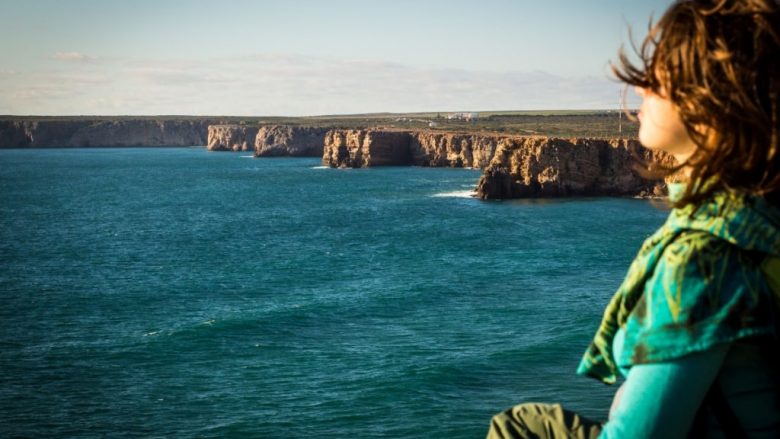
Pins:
<point x="661" y="399"/>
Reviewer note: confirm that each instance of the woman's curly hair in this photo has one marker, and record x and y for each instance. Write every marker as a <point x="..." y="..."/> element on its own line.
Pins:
<point x="719" y="63"/>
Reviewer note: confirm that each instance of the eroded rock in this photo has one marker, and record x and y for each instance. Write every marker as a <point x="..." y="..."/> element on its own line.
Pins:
<point x="364" y="148"/>
<point x="232" y="137"/>
<point x="285" y="140"/>
<point x="554" y="167"/>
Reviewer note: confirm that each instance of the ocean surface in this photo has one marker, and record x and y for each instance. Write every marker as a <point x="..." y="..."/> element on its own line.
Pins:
<point x="181" y="293"/>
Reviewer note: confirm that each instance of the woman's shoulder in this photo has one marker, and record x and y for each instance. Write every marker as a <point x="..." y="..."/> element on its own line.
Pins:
<point x="703" y="290"/>
<point x="700" y="276"/>
<point x="745" y="221"/>
<point x="697" y="256"/>
<point x="717" y="246"/>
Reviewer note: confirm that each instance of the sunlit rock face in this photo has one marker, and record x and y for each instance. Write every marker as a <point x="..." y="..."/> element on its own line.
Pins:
<point x="554" y="167"/>
<point x="452" y="149"/>
<point x="286" y="140"/>
<point x="366" y="147"/>
<point x="515" y="166"/>
<point x="231" y="137"/>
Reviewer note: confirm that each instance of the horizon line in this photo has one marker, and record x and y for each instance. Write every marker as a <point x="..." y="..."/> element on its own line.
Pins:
<point x="381" y="113"/>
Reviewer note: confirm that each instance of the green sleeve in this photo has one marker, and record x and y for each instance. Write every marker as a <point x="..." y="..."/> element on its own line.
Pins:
<point x="661" y="399"/>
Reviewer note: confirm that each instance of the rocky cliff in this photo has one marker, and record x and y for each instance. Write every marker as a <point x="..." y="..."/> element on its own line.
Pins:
<point x="268" y="140"/>
<point x="285" y="140"/>
<point x="231" y="137"/>
<point x="450" y="149"/>
<point x="369" y="147"/>
<point x="380" y="147"/>
<point x="80" y="132"/>
<point x="514" y="166"/>
<point x="552" y="167"/>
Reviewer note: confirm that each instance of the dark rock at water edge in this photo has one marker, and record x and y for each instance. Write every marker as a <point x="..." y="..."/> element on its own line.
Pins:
<point x="552" y="167"/>
<point x="496" y="183"/>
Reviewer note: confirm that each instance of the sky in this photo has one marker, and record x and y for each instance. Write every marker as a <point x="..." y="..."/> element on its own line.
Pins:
<point x="309" y="57"/>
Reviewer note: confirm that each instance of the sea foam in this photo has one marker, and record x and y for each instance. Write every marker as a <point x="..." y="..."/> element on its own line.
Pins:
<point x="455" y="194"/>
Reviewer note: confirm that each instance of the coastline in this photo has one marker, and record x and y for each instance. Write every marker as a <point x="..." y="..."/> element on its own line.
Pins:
<point x="514" y="164"/>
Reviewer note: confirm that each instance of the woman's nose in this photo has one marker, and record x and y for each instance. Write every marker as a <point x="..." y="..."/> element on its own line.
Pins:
<point x="640" y="91"/>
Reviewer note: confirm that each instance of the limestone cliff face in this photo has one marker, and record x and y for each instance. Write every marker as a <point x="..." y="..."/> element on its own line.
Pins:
<point x="419" y="148"/>
<point x="552" y="167"/>
<point x="450" y="149"/>
<point x="110" y="133"/>
<point x="285" y="140"/>
<point x="231" y="137"/>
<point x="363" y="148"/>
<point x="267" y="141"/>
<point x="514" y="166"/>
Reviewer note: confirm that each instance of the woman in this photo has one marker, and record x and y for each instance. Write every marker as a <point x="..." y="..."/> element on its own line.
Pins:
<point x="693" y="327"/>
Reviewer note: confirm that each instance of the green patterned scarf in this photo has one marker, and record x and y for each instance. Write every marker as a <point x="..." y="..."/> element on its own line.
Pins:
<point x="696" y="282"/>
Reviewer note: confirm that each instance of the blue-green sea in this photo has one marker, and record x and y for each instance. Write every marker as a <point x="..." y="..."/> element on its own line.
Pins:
<point x="180" y="293"/>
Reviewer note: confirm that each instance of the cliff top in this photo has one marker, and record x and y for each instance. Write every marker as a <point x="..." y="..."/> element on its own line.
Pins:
<point x="564" y="123"/>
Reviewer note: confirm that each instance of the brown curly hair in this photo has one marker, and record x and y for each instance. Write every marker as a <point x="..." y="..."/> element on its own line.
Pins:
<point x="719" y="63"/>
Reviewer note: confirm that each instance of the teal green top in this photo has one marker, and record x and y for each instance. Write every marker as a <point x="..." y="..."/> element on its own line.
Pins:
<point x="661" y="399"/>
<point x="697" y="292"/>
<point x="695" y="283"/>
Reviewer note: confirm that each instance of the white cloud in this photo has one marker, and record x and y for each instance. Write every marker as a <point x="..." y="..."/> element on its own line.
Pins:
<point x="72" y="56"/>
<point x="288" y="84"/>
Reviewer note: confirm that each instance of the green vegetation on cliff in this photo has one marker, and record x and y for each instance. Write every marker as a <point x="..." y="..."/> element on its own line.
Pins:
<point x="562" y="123"/>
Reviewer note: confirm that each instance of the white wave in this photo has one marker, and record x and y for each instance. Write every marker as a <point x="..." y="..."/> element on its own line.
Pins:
<point x="247" y="156"/>
<point x="320" y="167"/>
<point x="456" y="194"/>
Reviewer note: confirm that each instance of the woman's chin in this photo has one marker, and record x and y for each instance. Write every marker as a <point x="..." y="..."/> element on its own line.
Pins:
<point x="648" y="143"/>
<point x="653" y="141"/>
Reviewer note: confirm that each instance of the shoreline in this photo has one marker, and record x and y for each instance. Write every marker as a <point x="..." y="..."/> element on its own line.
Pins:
<point x="514" y="165"/>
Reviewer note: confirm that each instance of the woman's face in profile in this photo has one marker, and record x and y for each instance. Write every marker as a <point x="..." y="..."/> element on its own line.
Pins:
<point x="660" y="126"/>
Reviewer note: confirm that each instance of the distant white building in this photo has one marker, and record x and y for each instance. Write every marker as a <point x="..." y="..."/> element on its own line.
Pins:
<point x="468" y="117"/>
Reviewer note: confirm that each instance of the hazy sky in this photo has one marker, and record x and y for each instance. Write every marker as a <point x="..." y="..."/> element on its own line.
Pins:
<point x="243" y="57"/>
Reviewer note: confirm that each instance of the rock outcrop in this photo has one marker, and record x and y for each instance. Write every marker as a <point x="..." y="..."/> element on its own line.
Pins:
<point x="552" y="167"/>
<point x="80" y="132"/>
<point x="378" y="147"/>
<point x="515" y="166"/>
<point x="268" y="141"/>
<point x="451" y="149"/>
<point x="286" y="140"/>
<point x="231" y="137"/>
<point x="363" y="148"/>
<point x="496" y="182"/>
